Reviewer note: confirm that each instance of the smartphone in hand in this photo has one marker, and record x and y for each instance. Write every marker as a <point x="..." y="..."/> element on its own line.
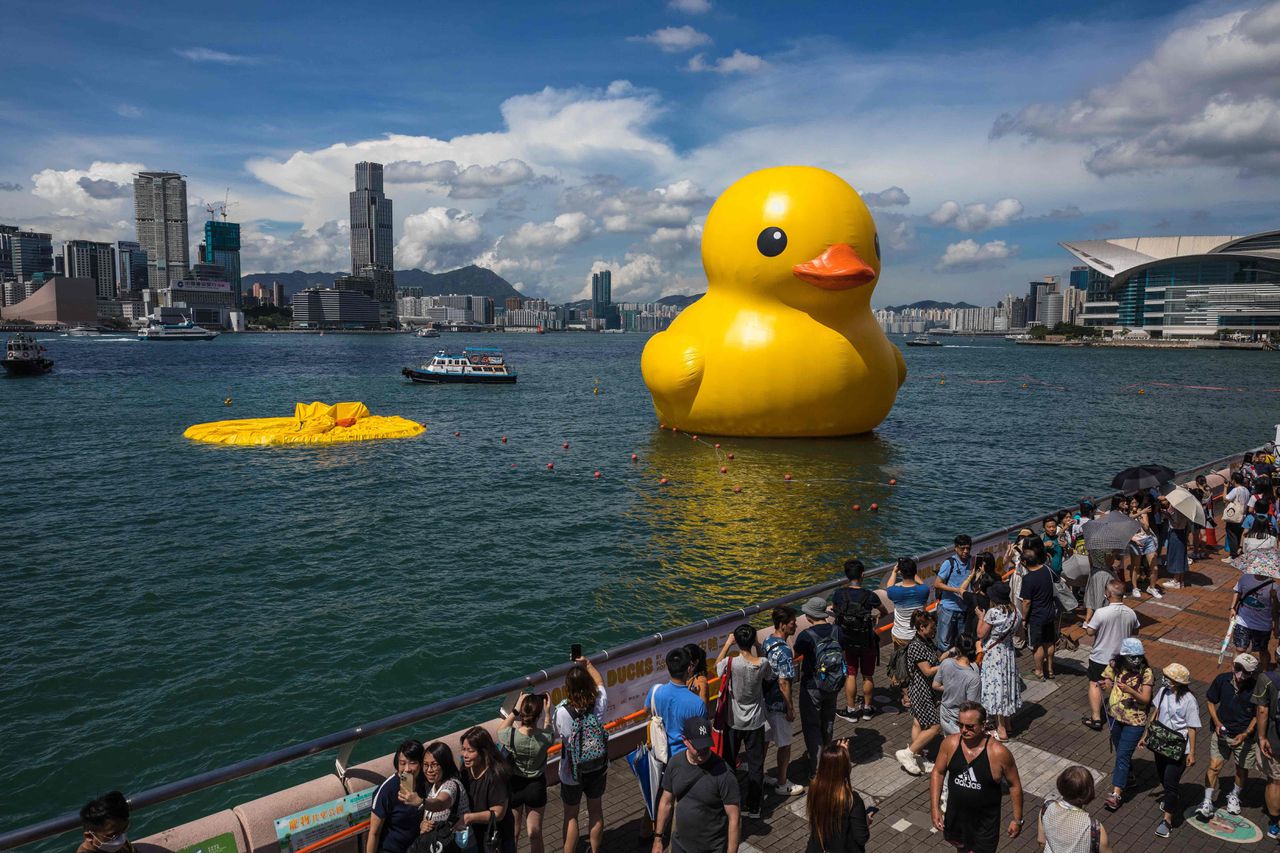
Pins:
<point x="575" y="651"/>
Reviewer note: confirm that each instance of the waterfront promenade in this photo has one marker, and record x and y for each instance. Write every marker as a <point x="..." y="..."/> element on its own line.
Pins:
<point x="1186" y="626"/>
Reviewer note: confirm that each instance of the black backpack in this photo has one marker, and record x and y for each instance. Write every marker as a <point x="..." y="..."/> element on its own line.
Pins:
<point x="856" y="618"/>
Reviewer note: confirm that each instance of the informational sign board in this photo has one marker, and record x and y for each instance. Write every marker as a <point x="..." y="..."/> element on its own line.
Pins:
<point x="224" y="843"/>
<point x="304" y="828"/>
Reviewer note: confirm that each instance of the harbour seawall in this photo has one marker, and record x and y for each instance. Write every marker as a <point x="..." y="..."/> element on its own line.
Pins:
<point x="629" y="671"/>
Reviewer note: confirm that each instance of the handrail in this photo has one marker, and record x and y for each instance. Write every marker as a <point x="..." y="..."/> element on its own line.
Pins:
<point x="335" y="740"/>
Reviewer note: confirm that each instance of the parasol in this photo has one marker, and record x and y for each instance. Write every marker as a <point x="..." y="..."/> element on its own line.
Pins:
<point x="1110" y="532"/>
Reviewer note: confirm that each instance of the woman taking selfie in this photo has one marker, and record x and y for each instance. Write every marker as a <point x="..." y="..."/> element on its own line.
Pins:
<point x="394" y="822"/>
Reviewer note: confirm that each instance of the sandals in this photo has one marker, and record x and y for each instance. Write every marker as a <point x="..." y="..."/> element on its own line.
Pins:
<point x="1096" y="725"/>
<point x="1112" y="802"/>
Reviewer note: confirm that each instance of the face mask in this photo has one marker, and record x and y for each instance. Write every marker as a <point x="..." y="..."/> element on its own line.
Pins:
<point x="113" y="844"/>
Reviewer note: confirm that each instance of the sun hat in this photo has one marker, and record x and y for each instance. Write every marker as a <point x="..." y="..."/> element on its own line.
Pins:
<point x="1132" y="646"/>
<point x="1178" y="673"/>
<point x="815" y="608"/>
<point x="1247" y="662"/>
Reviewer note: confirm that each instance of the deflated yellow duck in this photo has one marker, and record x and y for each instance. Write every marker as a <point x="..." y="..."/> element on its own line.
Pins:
<point x="784" y="342"/>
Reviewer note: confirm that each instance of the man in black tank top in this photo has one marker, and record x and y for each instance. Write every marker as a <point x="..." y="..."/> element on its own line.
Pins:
<point x="973" y="765"/>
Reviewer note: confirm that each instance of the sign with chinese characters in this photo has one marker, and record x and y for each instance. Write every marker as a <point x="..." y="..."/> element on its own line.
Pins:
<point x="304" y="828"/>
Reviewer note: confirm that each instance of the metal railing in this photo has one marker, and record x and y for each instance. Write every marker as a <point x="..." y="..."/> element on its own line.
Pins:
<point x="346" y="739"/>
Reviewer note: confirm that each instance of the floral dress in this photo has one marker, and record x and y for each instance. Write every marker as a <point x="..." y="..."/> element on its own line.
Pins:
<point x="1001" y="686"/>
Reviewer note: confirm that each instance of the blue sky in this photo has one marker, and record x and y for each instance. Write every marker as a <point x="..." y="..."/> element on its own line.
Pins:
<point x="549" y="140"/>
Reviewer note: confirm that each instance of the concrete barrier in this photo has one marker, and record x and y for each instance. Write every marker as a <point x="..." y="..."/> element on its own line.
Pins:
<point x="195" y="832"/>
<point x="259" y="816"/>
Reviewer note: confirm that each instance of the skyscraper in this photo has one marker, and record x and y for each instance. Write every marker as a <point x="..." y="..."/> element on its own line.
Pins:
<point x="6" y="251"/>
<point x="277" y="294"/>
<point x="32" y="253"/>
<point x="372" y="252"/>
<point x="87" y="259"/>
<point x="1080" y="278"/>
<point x="132" y="276"/>
<point x="160" y="208"/>
<point x="222" y="247"/>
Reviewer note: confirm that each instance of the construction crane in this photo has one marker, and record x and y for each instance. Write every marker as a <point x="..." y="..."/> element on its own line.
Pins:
<point x="221" y="207"/>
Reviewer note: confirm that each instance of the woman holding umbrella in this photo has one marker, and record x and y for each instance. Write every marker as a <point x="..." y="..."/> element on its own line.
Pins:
<point x="1183" y="510"/>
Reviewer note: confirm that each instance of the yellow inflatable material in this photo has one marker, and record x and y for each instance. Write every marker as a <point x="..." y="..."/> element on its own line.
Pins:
<point x="784" y="342"/>
<point x="312" y="423"/>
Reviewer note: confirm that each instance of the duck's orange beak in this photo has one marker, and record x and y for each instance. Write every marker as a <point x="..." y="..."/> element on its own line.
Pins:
<point x="838" y="268"/>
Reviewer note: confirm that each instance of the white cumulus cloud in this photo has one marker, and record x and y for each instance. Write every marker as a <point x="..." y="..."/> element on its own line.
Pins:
<point x="474" y="181"/>
<point x="970" y="254"/>
<point x="439" y="238"/>
<point x="564" y="230"/>
<point x="977" y="217"/>
<point x="675" y="39"/>
<point x="892" y="197"/>
<point x="738" y="62"/>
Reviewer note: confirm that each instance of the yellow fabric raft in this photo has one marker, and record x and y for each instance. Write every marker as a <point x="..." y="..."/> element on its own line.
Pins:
<point x="312" y="423"/>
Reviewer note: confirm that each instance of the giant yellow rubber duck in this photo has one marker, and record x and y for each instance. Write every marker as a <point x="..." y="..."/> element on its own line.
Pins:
<point x="784" y="342"/>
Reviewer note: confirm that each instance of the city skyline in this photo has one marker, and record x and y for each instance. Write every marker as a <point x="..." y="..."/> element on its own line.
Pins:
<point x="977" y="154"/>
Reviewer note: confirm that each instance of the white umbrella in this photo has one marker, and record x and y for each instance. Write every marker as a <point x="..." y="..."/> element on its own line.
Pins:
<point x="1186" y="504"/>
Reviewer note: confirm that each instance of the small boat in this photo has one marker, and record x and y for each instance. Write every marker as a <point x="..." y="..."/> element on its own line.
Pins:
<point x="184" y="331"/>
<point x="23" y="356"/>
<point x="476" y="365"/>
<point x="923" y="341"/>
<point x="427" y="333"/>
<point x="83" y="331"/>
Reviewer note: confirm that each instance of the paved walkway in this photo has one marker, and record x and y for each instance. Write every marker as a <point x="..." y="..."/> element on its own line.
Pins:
<point x="1186" y="626"/>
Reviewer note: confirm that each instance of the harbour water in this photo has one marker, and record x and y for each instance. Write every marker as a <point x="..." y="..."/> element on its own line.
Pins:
<point x="176" y="607"/>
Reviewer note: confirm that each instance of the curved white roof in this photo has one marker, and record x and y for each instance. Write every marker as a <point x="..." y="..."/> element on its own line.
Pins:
<point x="1119" y="255"/>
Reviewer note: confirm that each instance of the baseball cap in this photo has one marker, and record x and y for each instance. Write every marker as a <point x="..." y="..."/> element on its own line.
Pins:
<point x="1247" y="662"/>
<point x="697" y="730"/>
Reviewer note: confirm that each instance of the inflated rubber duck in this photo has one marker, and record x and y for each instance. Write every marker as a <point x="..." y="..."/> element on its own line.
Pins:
<point x="783" y="343"/>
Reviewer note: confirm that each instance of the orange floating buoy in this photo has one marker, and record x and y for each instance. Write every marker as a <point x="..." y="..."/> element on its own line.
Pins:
<point x="565" y="445"/>
<point x="597" y="475"/>
<point x="662" y="426"/>
<point x="717" y="445"/>
<point x="729" y="455"/>
<point x="737" y="490"/>
<point x="857" y="507"/>
<point x="874" y="507"/>
<point x="695" y="438"/>
<point x="675" y="429"/>
<point x="504" y="439"/>
<point x="662" y="481"/>
<point x="634" y="457"/>
<point x="787" y="477"/>
<point x="893" y="482"/>
<point x="942" y="382"/>
<point x="1141" y="391"/>
<point x="724" y="470"/>
<point x="551" y="466"/>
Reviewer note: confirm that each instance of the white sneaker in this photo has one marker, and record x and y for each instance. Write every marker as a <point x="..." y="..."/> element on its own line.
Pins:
<point x="1233" y="803"/>
<point x="1154" y="593"/>
<point x="1168" y="585"/>
<point x="788" y="789"/>
<point x="1137" y="593"/>
<point x="1207" y="809"/>
<point x="926" y="765"/>
<point x="909" y="761"/>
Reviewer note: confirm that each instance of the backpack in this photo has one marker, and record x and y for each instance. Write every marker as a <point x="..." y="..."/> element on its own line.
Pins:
<point x="588" y="745"/>
<point x="856" y="618"/>
<point x="899" y="668"/>
<point x="829" y="668"/>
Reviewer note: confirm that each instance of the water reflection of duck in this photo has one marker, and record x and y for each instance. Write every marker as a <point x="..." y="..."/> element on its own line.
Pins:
<point x="784" y="342"/>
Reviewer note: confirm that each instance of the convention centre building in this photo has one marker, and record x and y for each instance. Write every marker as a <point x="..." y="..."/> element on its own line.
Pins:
<point x="1179" y="287"/>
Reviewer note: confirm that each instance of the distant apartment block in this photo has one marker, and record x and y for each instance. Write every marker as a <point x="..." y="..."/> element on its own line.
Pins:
<point x="87" y="259"/>
<point x="160" y="210"/>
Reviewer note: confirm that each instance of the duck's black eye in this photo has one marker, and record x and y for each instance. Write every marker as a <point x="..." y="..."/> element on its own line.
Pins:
<point x="877" y="247"/>
<point x="771" y="242"/>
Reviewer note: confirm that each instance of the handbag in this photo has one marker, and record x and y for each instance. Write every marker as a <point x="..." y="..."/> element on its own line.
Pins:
<point x="720" y="720"/>
<point x="1066" y="598"/>
<point x="1162" y="740"/>
<point x="1233" y="513"/>
<point x="657" y="730"/>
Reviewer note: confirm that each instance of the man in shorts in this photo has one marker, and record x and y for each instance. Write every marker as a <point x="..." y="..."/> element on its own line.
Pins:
<point x="1234" y="718"/>
<point x="779" y="706"/>
<point x="857" y="611"/>
<point x="1039" y="609"/>
<point x="949" y="587"/>
<point x="1109" y="625"/>
<point x="1254" y="606"/>
<point x="974" y="768"/>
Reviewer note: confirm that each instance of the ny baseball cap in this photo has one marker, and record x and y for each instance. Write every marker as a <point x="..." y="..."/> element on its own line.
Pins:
<point x="697" y="730"/>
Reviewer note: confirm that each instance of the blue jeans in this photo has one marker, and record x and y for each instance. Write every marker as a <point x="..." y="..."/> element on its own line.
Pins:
<point x="1124" y="740"/>
<point x="950" y="623"/>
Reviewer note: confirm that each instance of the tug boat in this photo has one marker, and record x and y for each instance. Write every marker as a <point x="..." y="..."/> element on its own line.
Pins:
<point x="23" y="356"/>
<point x="476" y="365"/>
<point x="184" y="331"/>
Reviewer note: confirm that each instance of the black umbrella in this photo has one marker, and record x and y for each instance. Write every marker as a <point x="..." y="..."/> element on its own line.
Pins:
<point x="1142" y="477"/>
<point x="1109" y="532"/>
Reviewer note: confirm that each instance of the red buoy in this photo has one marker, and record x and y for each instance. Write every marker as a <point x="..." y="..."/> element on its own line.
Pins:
<point x="695" y="438"/>
<point x="857" y="507"/>
<point x="874" y="507"/>
<point x="737" y="490"/>
<point x="551" y="466"/>
<point x="597" y="475"/>
<point x="504" y="439"/>
<point x="724" y="470"/>
<point x="662" y="481"/>
<point x="893" y="482"/>
<point x="565" y="445"/>
<point x="787" y="477"/>
<point x="717" y="445"/>
<point x="634" y="457"/>
<point x="729" y="455"/>
<point x="457" y="434"/>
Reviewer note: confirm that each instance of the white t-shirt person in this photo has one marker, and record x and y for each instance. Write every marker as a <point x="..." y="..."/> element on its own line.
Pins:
<point x="1112" y="624"/>
<point x="1179" y="713"/>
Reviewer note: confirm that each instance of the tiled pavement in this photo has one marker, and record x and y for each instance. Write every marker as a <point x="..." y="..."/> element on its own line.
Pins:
<point x="1186" y="626"/>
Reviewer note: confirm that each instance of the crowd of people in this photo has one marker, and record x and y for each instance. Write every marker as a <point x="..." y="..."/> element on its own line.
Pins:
<point x="954" y="667"/>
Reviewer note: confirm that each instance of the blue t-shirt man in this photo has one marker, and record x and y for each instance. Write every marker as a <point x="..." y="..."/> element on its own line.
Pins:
<point x="953" y="572"/>
<point x="675" y="703"/>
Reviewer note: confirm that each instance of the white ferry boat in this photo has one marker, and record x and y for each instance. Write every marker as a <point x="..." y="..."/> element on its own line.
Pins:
<point x="476" y="365"/>
<point x="184" y="331"/>
<point x="83" y="330"/>
<point x="427" y="332"/>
